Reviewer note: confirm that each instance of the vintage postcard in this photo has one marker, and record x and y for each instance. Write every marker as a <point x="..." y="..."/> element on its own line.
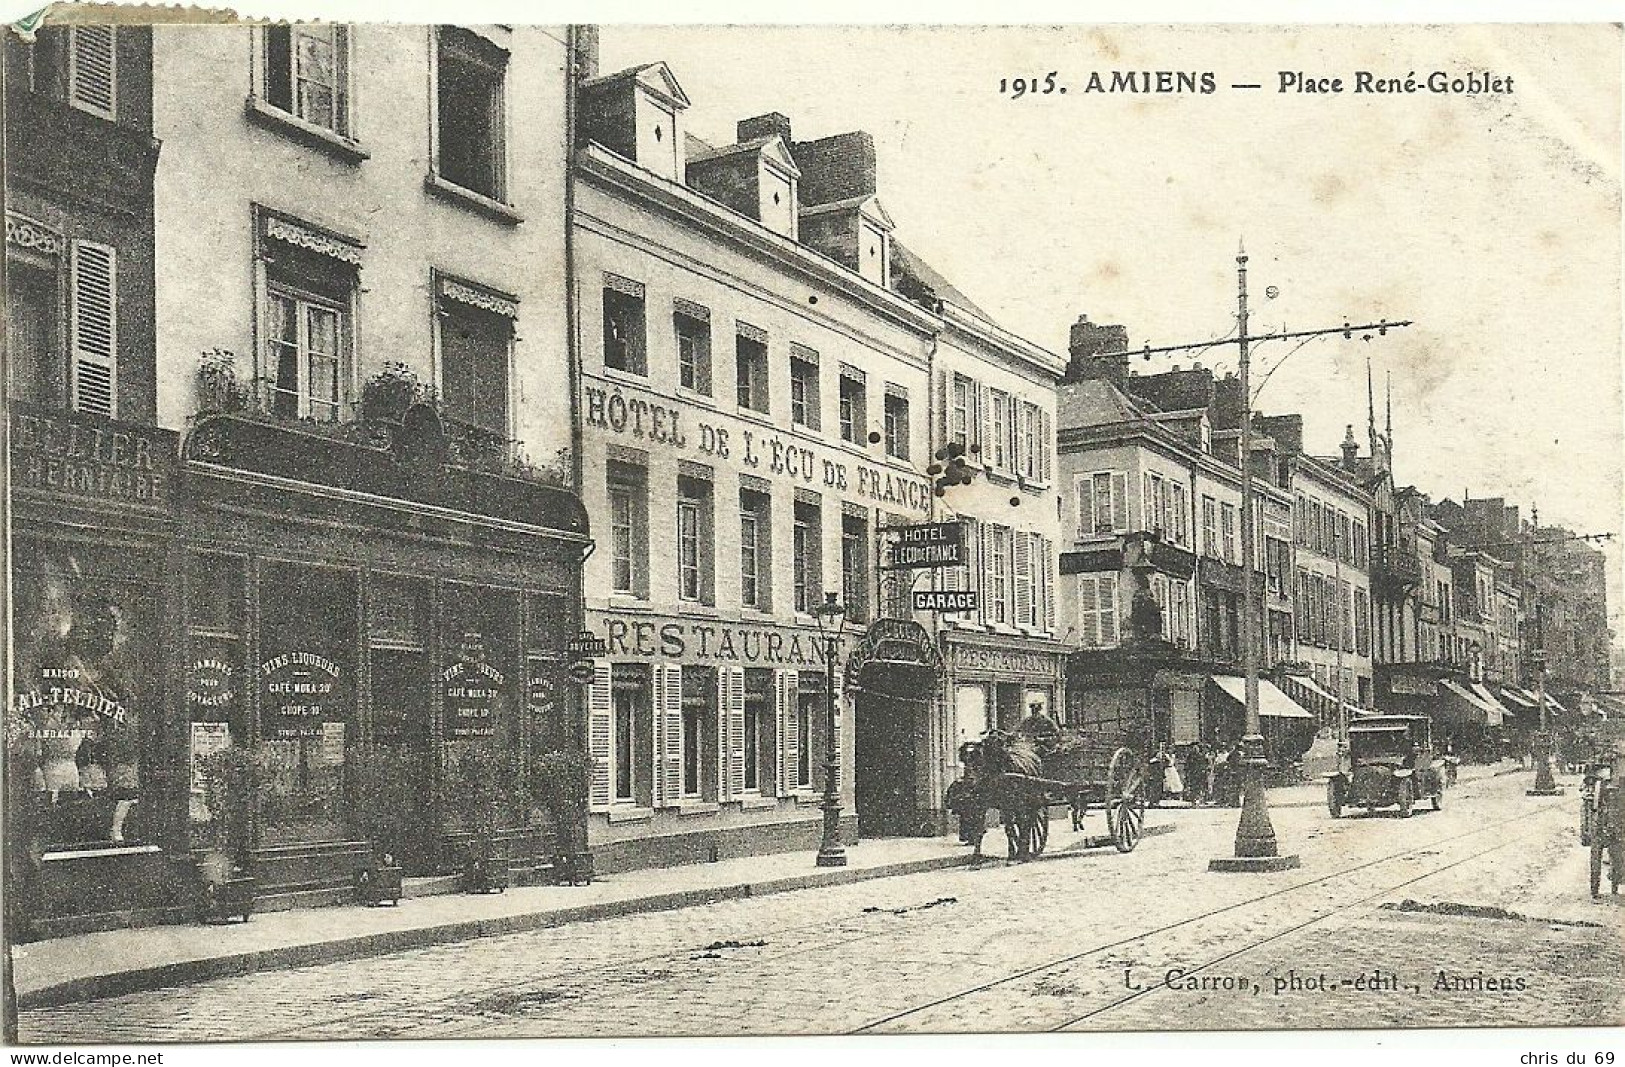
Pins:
<point x="537" y="531"/>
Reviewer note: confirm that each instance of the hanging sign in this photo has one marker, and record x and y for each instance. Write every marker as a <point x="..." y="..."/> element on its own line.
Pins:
<point x="927" y="545"/>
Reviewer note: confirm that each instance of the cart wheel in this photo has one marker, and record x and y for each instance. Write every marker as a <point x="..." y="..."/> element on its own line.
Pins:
<point x="1129" y="824"/>
<point x="1125" y="778"/>
<point x="1012" y="838"/>
<point x="1407" y="798"/>
<point x="1334" y="798"/>
<point x="1596" y="869"/>
<point x="1038" y="831"/>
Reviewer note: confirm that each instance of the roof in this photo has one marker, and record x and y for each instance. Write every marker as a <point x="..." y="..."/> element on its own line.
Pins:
<point x="1097" y="402"/>
<point x="905" y="262"/>
<point x="656" y="76"/>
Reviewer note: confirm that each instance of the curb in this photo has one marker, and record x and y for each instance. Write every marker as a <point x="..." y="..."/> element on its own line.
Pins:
<point x="188" y="972"/>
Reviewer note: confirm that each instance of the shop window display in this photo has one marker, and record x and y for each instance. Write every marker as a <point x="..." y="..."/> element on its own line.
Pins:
<point x="479" y="686"/>
<point x="306" y="681"/>
<point x="83" y="647"/>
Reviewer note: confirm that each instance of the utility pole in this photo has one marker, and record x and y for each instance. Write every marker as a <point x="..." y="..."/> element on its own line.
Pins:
<point x="1256" y="847"/>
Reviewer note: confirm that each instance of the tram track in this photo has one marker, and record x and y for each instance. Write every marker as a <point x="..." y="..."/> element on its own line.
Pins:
<point x="503" y="1003"/>
<point x="1072" y="959"/>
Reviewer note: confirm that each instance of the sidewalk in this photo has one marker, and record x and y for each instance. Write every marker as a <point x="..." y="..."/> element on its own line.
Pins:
<point x="88" y="966"/>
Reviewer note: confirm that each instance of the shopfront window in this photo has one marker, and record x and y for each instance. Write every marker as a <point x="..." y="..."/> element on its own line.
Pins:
<point x="481" y="662"/>
<point x="85" y="653"/>
<point x="306" y="679"/>
<point x="214" y="669"/>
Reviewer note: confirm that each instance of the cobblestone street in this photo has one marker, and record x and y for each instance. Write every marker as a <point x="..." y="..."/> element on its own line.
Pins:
<point x="1089" y="941"/>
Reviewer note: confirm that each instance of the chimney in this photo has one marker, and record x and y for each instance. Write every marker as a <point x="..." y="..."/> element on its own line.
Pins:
<point x="835" y="168"/>
<point x="1351" y="447"/>
<point x="586" y="52"/>
<point x="763" y="126"/>
<point x="1227" y="401"/>
<point x="1097" y="351"/>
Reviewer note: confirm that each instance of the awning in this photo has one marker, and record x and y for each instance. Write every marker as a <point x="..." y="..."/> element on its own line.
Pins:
<point x="1271" y="701"/>
<point x="1357" y="712"/>
<point x="1309" y="683"/>
<point x="1492" y="715"/>
<point x="1552" y="702"/>
<point x="1513" y="695"/>
<point x="1499" y="709"/>
<point x="1612" y="707"/>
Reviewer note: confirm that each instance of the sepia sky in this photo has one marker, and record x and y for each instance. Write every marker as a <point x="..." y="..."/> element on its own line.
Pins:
<point x="1493" y="221"/>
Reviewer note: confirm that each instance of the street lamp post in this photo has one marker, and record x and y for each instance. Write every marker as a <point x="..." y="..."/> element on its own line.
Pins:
<point x="1545" y="785"/>
<point x="831" y="619"/>
<point x="1256" y="847"/>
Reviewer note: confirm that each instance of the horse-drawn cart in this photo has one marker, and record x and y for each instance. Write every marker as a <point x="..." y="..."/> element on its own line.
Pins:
<point x="1022" y="778"/>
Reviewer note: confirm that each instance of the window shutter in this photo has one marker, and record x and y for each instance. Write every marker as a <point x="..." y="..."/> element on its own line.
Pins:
<point x="1045" y="446"/>
<point x="984" y="426"/>
<point x="1120" y="502"/>
<point x="1083" y="491"/>
<point x="789" y="743"/>
<point x="669" y="734"/>
<point x="94" y="329"/>
<point x="1049" y="586"/>
<point x="1089" y="610"/>
<point x="599" y="726"/>
<point x="734" y="709"/>
<point x="658" y="750"/>
<point x="1148" y="503"/>
<point x="1108" y="610"/>
<point x="93" y="70"/>
<point x="1021" y="550"/>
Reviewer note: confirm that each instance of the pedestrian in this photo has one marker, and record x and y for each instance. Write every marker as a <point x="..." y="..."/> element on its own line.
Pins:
<point x="1172" y="783"/>
<point x="1198" y="774"/>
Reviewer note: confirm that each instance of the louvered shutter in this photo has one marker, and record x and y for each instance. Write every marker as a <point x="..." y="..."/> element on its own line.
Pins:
<point x="1119" y="502"/>
<point x="984" y="425"/>
<point x="724" y="742"/>
<point x="980" y="578"/>
<point x="1089" y="610"/>
<point x="93" y="69"/>
<point x="1148" y="503"/>
<point x="1108" y="610"/>
<point x="600" y="740"/>
<point x="1046" y="447"/>
<point x="94" y="329"/>
<point x="669" y="734"/>
<point x="658" y="750"/>
<point x="1022" y="564"/>
<point x="735" y="711"/>
<point x="1049" y="585"/>
<point x="784" y="722"/>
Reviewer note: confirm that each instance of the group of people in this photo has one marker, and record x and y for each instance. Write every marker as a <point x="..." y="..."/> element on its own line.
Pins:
<point x="1201" y="776"/>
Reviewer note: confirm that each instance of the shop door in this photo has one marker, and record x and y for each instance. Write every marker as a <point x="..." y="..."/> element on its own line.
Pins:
<point x="401" y="731"/>
<point x="885" y="768"/>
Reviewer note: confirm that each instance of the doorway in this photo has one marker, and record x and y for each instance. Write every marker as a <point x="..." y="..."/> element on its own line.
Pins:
<point x="886" y="765"/>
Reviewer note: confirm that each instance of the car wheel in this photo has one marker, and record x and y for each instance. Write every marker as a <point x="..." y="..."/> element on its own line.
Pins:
<point x="1407" y="798"/>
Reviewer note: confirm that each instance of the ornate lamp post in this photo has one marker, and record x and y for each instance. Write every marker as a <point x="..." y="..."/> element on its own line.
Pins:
<point x="831" y="619"/>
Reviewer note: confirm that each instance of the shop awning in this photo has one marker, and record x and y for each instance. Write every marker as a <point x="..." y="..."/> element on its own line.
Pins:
<point x="1492" y="714"/>
<point x="1514" y="696"/>
<point x="1271" y="701"/>
<point x="1612" y="707"/>
<point x="1356" y="712"/>
<point x="1499" y="709"/>
<point x="1553" y="703"/>
<point x="1309" y="683"/>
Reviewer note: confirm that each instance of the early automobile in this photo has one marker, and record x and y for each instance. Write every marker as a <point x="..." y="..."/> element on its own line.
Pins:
<point x="1390" y="764"/>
